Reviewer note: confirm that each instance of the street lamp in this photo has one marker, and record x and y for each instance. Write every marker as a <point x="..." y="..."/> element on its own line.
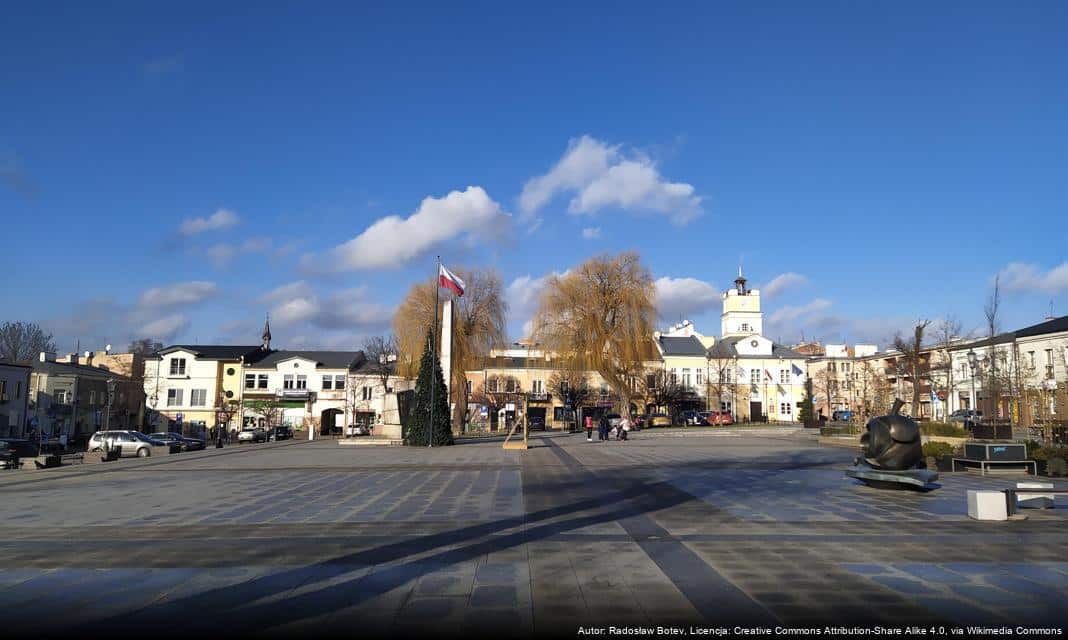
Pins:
<point x="111" y="394"/>
<point x="972" y="361"/>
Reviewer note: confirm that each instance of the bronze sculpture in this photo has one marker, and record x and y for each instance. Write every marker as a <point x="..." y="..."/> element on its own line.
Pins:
<point x="893" y="453"/>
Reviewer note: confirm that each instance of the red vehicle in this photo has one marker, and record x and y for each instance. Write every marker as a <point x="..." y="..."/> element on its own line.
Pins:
<point x="719" y="418"/>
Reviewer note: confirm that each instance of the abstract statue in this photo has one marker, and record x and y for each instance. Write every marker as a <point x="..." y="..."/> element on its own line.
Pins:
<point x="893" y="454"/>
<point x="892" y="441"/>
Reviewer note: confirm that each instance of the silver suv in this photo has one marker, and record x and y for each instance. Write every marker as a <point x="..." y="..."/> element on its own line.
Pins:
<point x="129" y="443"/>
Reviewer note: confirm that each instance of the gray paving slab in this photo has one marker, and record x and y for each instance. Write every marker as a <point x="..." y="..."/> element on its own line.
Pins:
<point x="671" y="528"/>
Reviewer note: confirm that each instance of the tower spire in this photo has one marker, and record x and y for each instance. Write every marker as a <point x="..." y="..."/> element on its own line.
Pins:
<point x="266" y="335"/>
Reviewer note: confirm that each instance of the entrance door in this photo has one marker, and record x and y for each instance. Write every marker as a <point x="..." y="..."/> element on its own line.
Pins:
<point x="756" y="411"/>
<point x="536" y="418"/>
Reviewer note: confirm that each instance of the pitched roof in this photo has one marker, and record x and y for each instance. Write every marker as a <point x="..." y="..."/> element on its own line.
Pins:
<point x="727" y="348"/>
<point x="213" y="351"/>
<point x="1055" y="325"/>
<point x="682" y="346"/>
<point x="67" y="368"/>
<point x="325" y="359"/>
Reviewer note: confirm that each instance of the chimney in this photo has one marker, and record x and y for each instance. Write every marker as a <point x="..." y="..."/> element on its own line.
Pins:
<point x="89" y="358"/>
<point x="48" y="356"/>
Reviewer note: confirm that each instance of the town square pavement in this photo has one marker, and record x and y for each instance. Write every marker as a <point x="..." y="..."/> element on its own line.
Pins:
<point x="702" y="529"/>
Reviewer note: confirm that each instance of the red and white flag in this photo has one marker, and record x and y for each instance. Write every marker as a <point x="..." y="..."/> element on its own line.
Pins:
<point x="768" y="374"/>
<point x="450" y="280"/>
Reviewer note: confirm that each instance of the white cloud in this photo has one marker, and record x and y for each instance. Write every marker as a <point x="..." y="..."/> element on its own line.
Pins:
<point x="781" y="283"/>
<point x="590" y="233"/>
<point x="221" y="219"/>
<point x="684" y="297"/>
<point x="393" y="241"/>
<point x="1018" y="276"/>
<point x="524" y="296"/>
<point x="221" y="253"/>
<point x="601" y="177"/>
<point x="165" y="328"/>
<point x="180" y="293"/>
<point x="297" y="303"/>
<point x="788" y="314"/>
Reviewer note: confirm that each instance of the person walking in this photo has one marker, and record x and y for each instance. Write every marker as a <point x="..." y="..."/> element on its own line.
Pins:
<point x="624" y="428"/>
<point x="589" y="428"/>
<point x="602" y="428"/>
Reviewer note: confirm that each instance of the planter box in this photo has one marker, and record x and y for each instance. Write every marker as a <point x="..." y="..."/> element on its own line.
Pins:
<point x="996" y="452"/>
<point x="945" y="463"/>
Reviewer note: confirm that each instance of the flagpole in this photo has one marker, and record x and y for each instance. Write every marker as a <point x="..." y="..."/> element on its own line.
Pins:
<point x="434" y="351"/>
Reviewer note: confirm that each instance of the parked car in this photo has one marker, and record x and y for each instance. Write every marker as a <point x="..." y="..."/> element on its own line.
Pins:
<point x="637" y="421"/>
<point x="129" y="443"/>
<point x="843" y="415"/>
<point x="536" y="424"/>
<point x="183" y="443"/>
<point x="613" y="420"/>
<point x="280" y="433"/>
<point x="965" y="415"/>
<point x="252" y="434"/>
<point x="691" y="417"/>
<point x="12" y="450"/>
<point x="719" y="418"/>
<point x="658" y="420"/>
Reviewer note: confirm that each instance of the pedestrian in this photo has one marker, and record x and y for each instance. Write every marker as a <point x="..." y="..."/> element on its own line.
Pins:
<point x="602" y="428"/>
<point x="589" y="428"/>
<point x="624" y="427"/>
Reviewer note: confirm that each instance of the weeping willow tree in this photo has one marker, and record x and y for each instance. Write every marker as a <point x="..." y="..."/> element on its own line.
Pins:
<point x="599" y="317"/>
<point x="478" y="325"/>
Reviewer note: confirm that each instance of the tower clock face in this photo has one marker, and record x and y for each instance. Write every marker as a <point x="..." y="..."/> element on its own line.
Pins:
<point x="753" y="343"/>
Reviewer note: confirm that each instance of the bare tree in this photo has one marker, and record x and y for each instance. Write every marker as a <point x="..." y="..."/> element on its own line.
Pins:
<point x="21" y="342"/>
<point x="721" y="366"/>
<point x="498" y="392"/>
<point x="599" y="317"/>
<point x="991" y="310"/>
<point x="381" y="353"/>
<point x="662" y="391"/>
<point x="947" y="332"/>
<point x="572" y="385"/>
<point x="914" y="363"/>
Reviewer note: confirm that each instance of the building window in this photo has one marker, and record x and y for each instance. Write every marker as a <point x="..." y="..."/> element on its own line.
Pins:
<point x="287" y="381"/>
<point x="365" y="393"/>
<point x="328" y="383"/>
<point x="700" y="377"/>
<point x="302" y="382"/>
<point x="198" y="398"/>
<point x="784" y="376"/>
<point x="1031" y="359"/>
<point x="467" y="387"/>
<point x="174" y="397"/>
<point x="250" y="381"/>
<point x="339" y="382"/>
<point x="18" y="390"/>
<point x="674" y="376"/>
<point x="491" y="385"/>
<point x="724" y="406"/>
<point x="685" y="377"/>
<point x="177" y="366"/>
<point x="754" y="376"/>
<point x="510" y="386"/>
<point x="565" y="387"/>
<point x="785" y="409"/>
<point x="59" y="396"/>
<point x="261" y="381"/>
<point x="845" y="367"/>
<point x="1049" y="357"/>
<point x="745" y="327"/>
<point x="536" y="387"/>
<point x="92" y="397"/>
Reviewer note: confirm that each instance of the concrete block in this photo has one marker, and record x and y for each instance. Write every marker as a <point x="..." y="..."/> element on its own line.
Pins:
<point x="1035" y="500"/>
<point x="987" y="505"/>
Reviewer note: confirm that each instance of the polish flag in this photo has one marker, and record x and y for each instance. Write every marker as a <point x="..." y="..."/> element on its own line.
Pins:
<point x="768" y="374"/>
<point x="450" y="280"/>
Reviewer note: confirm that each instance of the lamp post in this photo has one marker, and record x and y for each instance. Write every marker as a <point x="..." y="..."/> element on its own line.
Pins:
<point x="111" y="394"/>
<point x="972" y="360"/>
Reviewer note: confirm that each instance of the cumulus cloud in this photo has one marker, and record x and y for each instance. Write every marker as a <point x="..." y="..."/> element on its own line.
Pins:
<point x="393" y="241"/>
<point x="601" y="176"/>
<point x="524" y="296"/>
<point x="179" y="293"/>
<point x="789" y="313"/>
<point x="684" y="297"/>
<point x="780" y="283"/>
<point x="220" y="254"/>
<point x="166" y="328"/>
<point x="591" y="233"/>
<point x="297" y="303"/>
<point x="221" y="219"/>
<point x="1019" y="276"/>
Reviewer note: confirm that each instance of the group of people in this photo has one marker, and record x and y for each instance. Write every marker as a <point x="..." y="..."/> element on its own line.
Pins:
<point x="605" y="430"/>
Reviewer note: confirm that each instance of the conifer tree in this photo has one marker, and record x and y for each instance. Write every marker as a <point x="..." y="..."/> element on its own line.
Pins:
<point x="807" y="413"/>
<point x="419" y="427"/>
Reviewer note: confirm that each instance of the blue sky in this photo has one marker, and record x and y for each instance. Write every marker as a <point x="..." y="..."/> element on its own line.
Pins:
<point x="177" y="172"/>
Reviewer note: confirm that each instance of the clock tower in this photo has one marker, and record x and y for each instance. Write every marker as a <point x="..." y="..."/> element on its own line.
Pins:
<point x="741" y="310"/>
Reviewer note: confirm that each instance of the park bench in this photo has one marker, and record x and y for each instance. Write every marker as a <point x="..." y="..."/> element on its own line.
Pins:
<point x="983" y="464"/>
<point x="1011" y="496"/>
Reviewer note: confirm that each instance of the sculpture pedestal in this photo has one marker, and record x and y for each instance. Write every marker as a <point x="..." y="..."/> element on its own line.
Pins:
<point x="916" y="479"/>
